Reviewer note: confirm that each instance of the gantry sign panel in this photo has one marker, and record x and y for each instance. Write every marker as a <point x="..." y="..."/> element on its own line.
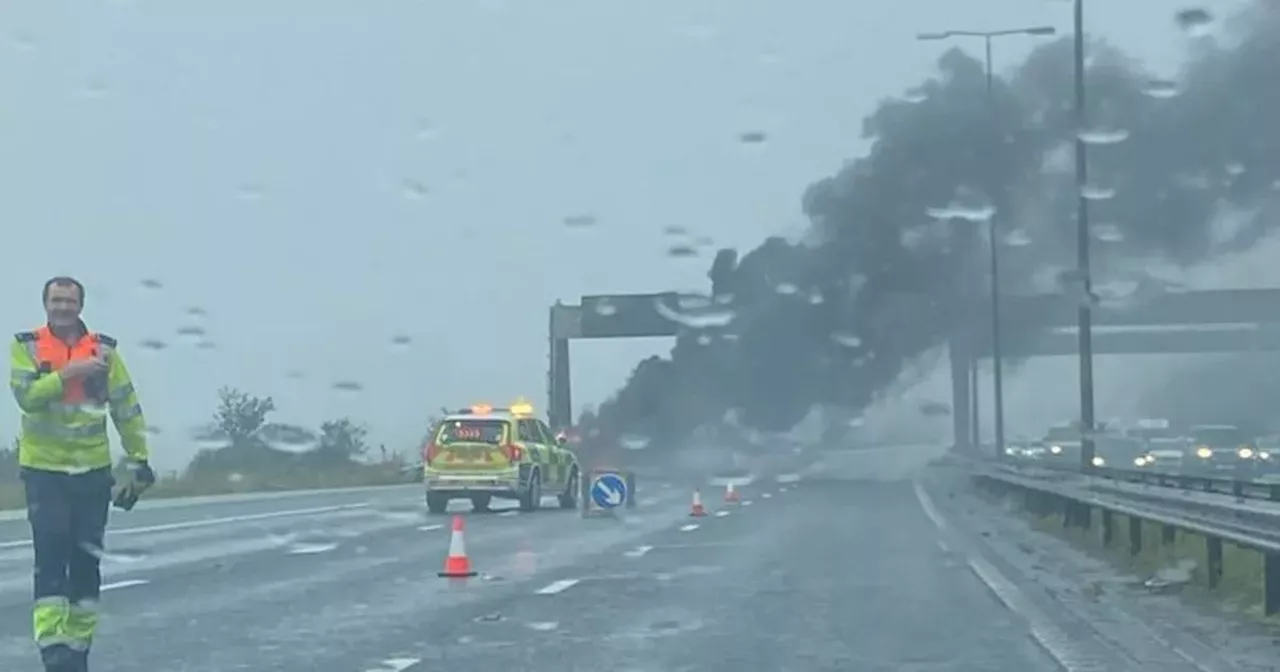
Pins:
<point x="598" y="316"/>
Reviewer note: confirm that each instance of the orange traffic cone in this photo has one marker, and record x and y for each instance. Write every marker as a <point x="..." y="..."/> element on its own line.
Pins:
<point x="697" y="510"/>
<point x="731" y="494"/>
<point x="457" y="565"/>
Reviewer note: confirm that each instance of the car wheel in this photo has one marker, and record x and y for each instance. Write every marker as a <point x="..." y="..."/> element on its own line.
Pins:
<point x="532" y="497"/>
<point x="569" y="498"/>
<point x="481" y="502"/>
<point x="437" y="503"/>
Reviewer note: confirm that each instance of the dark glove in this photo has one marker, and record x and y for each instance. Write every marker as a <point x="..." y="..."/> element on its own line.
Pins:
<point x="140" y="478"/>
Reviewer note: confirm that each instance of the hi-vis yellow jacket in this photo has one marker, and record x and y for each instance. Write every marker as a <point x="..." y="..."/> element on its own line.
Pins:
<point x="63" y="429"/>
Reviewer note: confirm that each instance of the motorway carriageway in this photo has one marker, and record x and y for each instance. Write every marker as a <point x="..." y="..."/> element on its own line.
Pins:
<point x="801" y="576"/>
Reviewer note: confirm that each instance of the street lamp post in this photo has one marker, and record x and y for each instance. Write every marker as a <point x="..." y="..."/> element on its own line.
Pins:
<point x="1085" y="315"/>
<point x="996" y="353"/>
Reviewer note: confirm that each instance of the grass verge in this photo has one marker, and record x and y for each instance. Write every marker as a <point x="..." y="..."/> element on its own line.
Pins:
<point x="11" y="494"/>
<point x="1239" y="590"/>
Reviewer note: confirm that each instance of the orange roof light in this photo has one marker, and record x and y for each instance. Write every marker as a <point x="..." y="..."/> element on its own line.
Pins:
<point x="481" y="409"/>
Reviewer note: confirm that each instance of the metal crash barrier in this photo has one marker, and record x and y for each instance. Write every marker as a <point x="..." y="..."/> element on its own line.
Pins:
<point x="605" y="490"/>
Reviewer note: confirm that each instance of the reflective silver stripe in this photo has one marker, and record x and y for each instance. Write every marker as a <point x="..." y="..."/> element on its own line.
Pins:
<point x="62" y="640"/>
<point x="34" y="351"/>
<point x="32" y="425"/>
<point x="52" y="601"/>
<point x="124" y="414"/>
<point x="120" y="394"/>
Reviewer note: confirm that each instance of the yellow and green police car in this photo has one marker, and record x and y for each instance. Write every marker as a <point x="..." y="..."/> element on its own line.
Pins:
<point x="484" y="452"/>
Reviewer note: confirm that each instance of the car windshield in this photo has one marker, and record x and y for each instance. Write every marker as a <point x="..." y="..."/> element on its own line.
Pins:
<point x="1219" y="436"/>
<point x="472" y="431"/>
<point x="1153" y="433"/>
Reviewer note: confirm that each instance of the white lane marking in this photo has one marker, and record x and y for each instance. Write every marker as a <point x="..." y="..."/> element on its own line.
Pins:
<point x="721" y="514"/>
<point x="558" y="586"/>
<point x="191" y="524"/>
<point x="395" y="665"/>
<point x="1051" y="638"/>
<point x="638" y="551"/>
<point x="429" y="528"/>
<point x="746" y="502"/>
<point x="128" y="583"/>
<point x="509" y="513"/>
<point x="689" y="528"/>
<point x="766" y="495"/>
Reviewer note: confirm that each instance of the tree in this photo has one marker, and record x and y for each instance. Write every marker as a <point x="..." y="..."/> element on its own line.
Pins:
<point x="342" y="440"/>
<point x="241" y="416"/>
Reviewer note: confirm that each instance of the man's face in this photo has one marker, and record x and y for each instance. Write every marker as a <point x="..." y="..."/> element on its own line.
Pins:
<point x="63" y="305"/>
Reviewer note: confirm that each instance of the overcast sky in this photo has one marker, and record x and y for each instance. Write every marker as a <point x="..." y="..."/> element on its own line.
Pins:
<point x="323" y="176"/>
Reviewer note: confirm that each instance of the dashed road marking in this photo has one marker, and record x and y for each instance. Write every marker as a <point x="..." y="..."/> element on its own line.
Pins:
<point x="689" y="528"/>
<point x="429" y="528"/>
<point x="638" y="551"/>
<point x="721" y="514"/>
<point x="395" y="665"/>
<point x="766" y="495"/>
<point x="192" y="524"/>
<point x="511" y="512"/>
<point x="127" y="583"/>
<point x="558" y="586"/>
<point x="746" y="502"/>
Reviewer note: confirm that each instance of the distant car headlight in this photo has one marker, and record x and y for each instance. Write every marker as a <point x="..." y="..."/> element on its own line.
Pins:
<point x="1204" y="453"/>
<point x="1098" y="461"/>
<point x="1264" y="455"/>
<point x="1141" y="460"/>
<point x="1055" y="449"/>
<point x="1010" y="451"/>
<point x="1245" y="453"/>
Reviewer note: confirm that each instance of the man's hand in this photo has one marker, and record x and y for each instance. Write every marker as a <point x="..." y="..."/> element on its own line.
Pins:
<point x="83" y="367"/>
<point x="140" y="477"/>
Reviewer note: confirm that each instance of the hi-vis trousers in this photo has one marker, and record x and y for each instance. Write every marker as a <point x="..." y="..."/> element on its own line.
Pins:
<point x="68" y="515"/>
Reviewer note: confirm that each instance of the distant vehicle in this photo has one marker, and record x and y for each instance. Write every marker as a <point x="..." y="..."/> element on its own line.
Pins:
<point x="483" y="452"/>
<point x="1062" y="442"/>
<point x="1222" y="449"/>
<point x="1165" y="454"/>
<point x="1119" y="451"/>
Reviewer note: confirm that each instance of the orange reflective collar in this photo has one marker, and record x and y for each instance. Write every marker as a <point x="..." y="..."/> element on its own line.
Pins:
<point x="53" y="354"/>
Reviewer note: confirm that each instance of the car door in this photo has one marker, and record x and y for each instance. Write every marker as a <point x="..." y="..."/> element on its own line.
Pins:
<point x="531" y="439"/>
<point x="550" y="458"/>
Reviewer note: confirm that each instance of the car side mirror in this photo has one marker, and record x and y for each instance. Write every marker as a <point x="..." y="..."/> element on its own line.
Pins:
<point x="560" y="440"/>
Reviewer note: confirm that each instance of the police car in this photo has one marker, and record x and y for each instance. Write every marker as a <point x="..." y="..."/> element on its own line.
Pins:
<point x="481" y="453"/>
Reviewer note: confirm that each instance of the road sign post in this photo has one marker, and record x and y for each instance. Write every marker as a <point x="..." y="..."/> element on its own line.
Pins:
<point x="605" y="491"/>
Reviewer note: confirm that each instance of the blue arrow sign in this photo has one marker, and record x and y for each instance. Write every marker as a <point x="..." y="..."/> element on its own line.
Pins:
<point x="608" y="491"/>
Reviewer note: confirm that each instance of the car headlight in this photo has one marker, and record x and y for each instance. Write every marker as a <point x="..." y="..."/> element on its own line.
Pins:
<point x="1140" y="460"/>
<point x="1055" y="449"/>
<point x="1264" y="455"/>
<point x="1010" y="451"/>
<point x="1204" y="453"/>
<point x="1245" y="453"/>
<point x="1098" y="461"/>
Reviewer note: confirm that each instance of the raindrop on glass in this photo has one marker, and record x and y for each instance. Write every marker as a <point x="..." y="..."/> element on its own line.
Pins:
<point x="1195" y="21"/>
<point x="682" y="252"/>
<point x="1017" y="238"/>
<point x="674" y="230"/>
<point x="1108" y="233"/>
<point x="579" y="221"/>
<point x="348" y="386"/>
<point x="786" y="289"/>
<point x="152" y="344"/>
<point x="634" y="441"/>
<point x="847" y="340"/>
<point x="151" y="284"/>
<point x="967" y="213"/>
<point x="1094" y="192"/>
<point x="1161" y="88"/>
<point x="753" y="138"/>
<point x="401" y="341"/>
<point x="196" y="311"/>
<point x="191" y="332"/>
<point x="288" y="438"/>
<point x="415" y="190"/>
<point x="1103" y="136"/>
